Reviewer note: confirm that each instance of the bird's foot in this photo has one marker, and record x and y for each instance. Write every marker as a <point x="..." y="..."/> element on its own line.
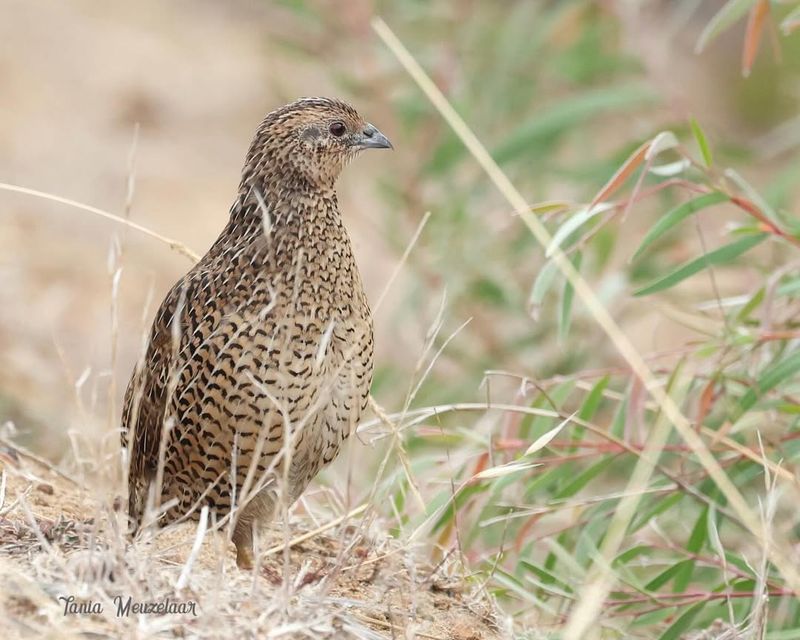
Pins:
<point x="244" y="557"/>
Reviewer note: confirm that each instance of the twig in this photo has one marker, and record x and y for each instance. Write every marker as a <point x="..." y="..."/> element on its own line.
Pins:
<point x="173" y="244"/>
<point x="312" y="534"/>
<point x="202" y="526"/>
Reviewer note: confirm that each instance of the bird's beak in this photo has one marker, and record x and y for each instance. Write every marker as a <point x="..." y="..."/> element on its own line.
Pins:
<point x="371" y="138"/>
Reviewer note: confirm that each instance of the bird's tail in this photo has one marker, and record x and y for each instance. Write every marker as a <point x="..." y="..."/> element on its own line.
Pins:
<point x="137" y="500"/>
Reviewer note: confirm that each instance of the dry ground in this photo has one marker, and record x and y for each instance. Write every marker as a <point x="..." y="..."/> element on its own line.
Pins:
<point x="351" y="580"/>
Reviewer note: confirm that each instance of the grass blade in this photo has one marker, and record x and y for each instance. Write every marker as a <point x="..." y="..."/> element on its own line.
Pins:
<point x="676" y="215"/>
<point x="565" y="318"/>
<point x="702" y="142"/>
<point x="719" y="256"/>
<point x="771" y="377"/>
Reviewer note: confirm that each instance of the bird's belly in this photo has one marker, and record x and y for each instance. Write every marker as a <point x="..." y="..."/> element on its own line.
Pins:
<point x="263" y="418"/>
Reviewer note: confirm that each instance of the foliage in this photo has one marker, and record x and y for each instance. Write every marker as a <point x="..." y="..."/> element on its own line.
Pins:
<point x="527" y="490"/>
<point x="518" y="426"/>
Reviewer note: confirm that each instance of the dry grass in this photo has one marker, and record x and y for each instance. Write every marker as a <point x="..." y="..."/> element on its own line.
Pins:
<point x="554" y="479"/>
<point x="57" y="540"/>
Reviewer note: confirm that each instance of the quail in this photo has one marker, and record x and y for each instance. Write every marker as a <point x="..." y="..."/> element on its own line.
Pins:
<point x="259" y="361"/>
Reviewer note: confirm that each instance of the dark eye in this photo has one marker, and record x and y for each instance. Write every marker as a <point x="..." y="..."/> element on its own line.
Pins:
<point x="338" y="129"/>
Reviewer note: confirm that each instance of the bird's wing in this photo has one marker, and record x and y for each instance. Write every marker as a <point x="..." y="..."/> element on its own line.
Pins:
<point x="147" y="393"/>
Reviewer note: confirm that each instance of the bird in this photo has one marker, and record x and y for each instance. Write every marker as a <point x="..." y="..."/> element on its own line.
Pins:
<point x="259" y="362"/>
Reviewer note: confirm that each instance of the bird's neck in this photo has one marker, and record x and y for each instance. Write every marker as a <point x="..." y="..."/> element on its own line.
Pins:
<point x="291" y="215"/>
<point x="283" y="201"/>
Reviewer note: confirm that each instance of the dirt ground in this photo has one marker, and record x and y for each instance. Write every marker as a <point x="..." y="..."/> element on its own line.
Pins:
<point x="348" y="581"/>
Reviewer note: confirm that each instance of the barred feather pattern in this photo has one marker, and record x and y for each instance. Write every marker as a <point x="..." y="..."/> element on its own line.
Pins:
<point x="259" y="361"/>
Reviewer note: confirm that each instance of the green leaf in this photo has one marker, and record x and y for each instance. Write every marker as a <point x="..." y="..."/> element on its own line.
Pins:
<point x="593" y="399"/>
<point x="453" y="504"/>
<point x="541" y="286"/>
<point x="663" y="578"/>
<point x="696" y="541"/>
<point x="676" y="215"/>
<point x="584" y="478"/>
<point x="683" y="623"/>
<point x="653" y="617"/>
<point x="629" y="554"/>
<point x="719" y="256"/>
<point x="752" y="304"/>
<point x="702" y="142"/>
<point x="546" y="576"/>
<point x="683" y="575"/>
<point x="770" y="377"/>
<point x="618" y="423"/>
<point x="653" y="508"/>
<point x="572" y="224"/>
<point x="565" y="318"/>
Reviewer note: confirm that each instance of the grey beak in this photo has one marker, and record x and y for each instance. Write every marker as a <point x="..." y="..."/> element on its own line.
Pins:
<point x="371" y="138"/>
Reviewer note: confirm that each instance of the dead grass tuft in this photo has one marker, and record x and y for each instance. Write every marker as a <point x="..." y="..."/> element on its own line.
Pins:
<point x="57" y="541"/>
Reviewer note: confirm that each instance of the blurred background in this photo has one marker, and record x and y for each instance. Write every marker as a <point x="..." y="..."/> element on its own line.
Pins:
<point x="146" y="109"/>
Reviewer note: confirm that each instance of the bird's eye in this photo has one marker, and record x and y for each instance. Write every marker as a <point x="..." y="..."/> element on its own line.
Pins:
<point x="338" y="129"/>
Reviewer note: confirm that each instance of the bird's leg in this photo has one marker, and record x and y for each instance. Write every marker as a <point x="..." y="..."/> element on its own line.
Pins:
<point x="249" y="522"/>
<point x="243" y="539"/>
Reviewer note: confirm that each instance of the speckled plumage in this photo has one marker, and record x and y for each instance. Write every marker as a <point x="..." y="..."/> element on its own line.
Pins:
<point x="259" y="361"/>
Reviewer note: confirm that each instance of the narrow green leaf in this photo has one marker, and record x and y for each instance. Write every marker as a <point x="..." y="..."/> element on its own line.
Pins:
<point x="545" y="481"/>
<point x="653" y="617"/>
<point x="456" y="503"/>
<point x="696" y="541"/>
<point x="584" y="478"/>
<point x="541" y="286"/>
<point x="565" y="318"/>
<point x="550" y="206"/>
<point x="702" y="142"/>
<point x="546" y="576"/>
<point x="770" y="377"/>
<point x="676" y="215"/>
<point x="634" y="552"/>
<point x="620" y="415"/>
<point x="651" y="509"/>
<point x="682" y="624"/>
<point x="683" y="575"/>
<point x="593" y="399"/>
<point x="752" y="304"/>
<point x="722" y="255"/>
<point x="572" y="224"/>
<point x="663" y="578"/>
